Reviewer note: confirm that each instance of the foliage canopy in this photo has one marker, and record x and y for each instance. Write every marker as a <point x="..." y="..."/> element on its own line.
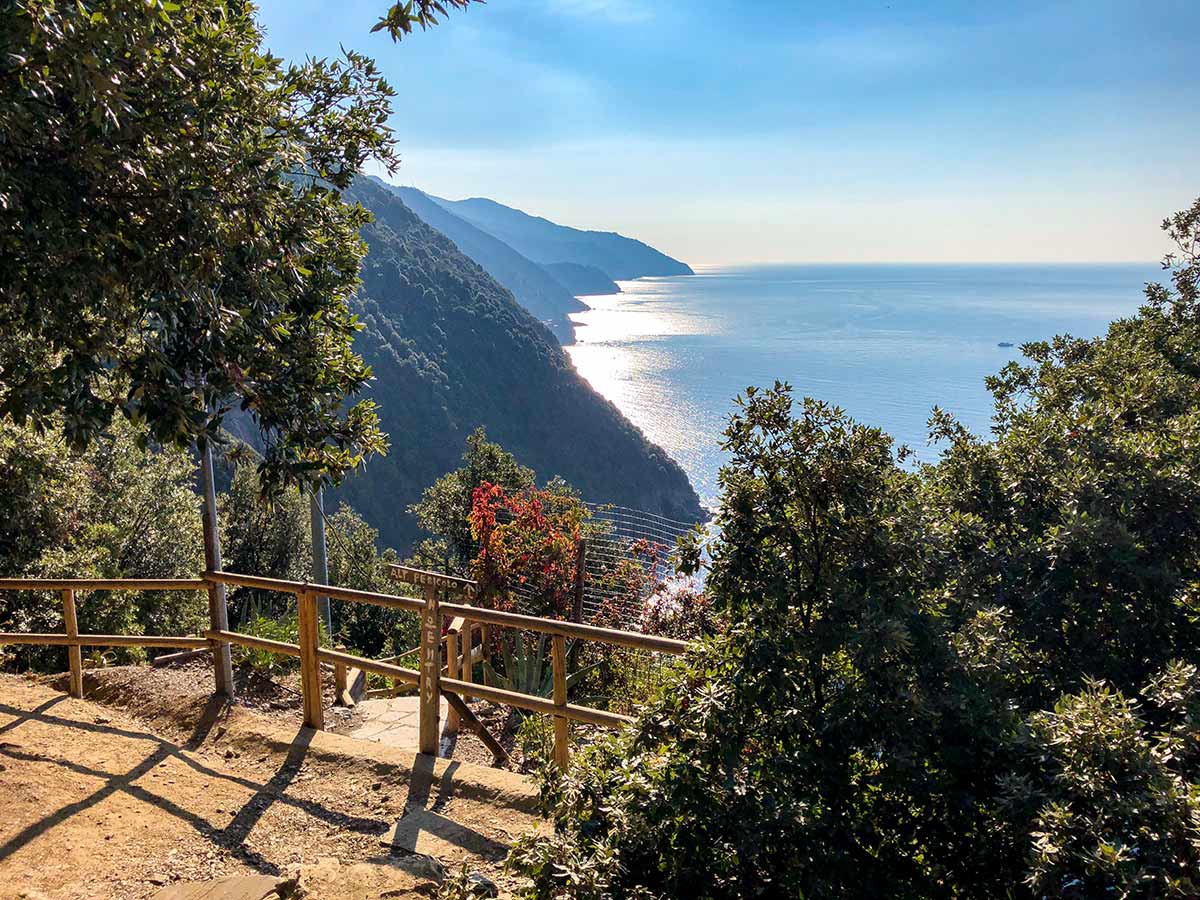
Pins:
<point x="973" y="679"/>
<point x="403" y="18"/>
<point x="173" y="240"/>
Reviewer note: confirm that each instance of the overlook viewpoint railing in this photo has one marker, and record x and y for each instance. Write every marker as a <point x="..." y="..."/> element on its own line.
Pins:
<point x="445" y="659"/>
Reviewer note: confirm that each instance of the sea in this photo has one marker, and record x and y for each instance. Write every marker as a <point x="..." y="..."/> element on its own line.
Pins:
<point x="885" y="342"/>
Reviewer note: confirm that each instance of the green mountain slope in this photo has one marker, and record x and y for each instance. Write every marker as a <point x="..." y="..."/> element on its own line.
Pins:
<point x="543" y="241"/>
<point x="535" y="288"/>
<point x="452" y="350"/>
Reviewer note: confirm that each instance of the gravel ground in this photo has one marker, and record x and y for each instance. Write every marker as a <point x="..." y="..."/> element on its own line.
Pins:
<point x="158" y="783"/>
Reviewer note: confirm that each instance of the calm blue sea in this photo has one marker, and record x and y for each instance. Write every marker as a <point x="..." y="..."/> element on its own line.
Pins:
<point x="885" y="342"/>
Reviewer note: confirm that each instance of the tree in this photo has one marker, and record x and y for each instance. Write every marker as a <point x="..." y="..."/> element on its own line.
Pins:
<point x="446" y="507"/>
<point x="527" y="547"/>
<point x="112" y="512"/>
<point x="355" y="562"/>
<point x="972" y="679"/>
<point x="271" y="538"/>
<point x="173" y="243"/>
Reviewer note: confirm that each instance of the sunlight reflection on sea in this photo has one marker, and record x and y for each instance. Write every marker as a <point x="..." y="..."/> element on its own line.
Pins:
<point x="886" y="342"/>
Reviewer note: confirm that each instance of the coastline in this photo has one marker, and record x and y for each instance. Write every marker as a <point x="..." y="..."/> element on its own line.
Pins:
<point x="555" y="325"/>
<point x="707" y="504"/>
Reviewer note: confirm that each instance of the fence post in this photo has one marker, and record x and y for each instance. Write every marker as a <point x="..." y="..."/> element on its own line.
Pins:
<point x="218" y="613"/>
<point x="580" y="574"/>
<point x="562" y="727"/>
<point x="431" y="672"/>
<point x="485" y="639"/>
<point x="467" y="672"/>
<point x="452" y="672"/>
<point x="339" y="679"/>
<point x="310" y="665"/>
<point x="74" y="652"/>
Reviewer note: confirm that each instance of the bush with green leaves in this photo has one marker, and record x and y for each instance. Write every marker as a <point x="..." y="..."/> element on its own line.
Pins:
<point x="285" y="628"/>
<point x="117" y="510"/>
<point x="535" y="738"/>
<point x="267" y="537"/>
<point x="273" y="538"/>
<point x="1117" y="812"/>
<point x="970" y="679"/>
<point x="356" y="562"/>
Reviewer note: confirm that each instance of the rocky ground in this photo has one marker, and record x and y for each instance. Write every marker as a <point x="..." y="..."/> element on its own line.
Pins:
<point x="151" y="784"/>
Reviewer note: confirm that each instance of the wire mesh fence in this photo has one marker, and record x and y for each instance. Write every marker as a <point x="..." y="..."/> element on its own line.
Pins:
<point x="625" y="575"/>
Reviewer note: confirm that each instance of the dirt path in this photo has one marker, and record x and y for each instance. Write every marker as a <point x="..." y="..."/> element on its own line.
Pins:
<point x="97" y="804"/>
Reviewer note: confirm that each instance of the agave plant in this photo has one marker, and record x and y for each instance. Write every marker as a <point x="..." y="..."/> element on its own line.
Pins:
<point x="527" y="667"/>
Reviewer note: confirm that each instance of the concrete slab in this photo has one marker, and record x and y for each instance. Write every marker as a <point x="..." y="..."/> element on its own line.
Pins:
<point x="241" y="887"/>
<point x="393" y="721"/>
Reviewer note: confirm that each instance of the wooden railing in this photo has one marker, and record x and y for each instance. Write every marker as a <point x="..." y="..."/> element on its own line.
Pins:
<point x="452" y="652"/>
<point x="75" y="641"/>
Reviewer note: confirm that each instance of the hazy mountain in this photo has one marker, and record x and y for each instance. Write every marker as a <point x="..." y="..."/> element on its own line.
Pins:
<point x="582" y="280"/>
<point x="545" y="242"/>
<point x="452" y="349"/>
<point x="535" y="288"/>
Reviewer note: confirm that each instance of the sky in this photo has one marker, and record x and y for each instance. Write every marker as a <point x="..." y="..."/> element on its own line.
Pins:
<point x="800" y="130"/>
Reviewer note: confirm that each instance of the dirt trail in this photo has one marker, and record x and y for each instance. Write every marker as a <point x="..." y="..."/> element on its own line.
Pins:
<point x="96" y="803"/>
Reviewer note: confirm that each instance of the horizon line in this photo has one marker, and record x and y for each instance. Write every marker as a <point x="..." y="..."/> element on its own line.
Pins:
<point x="928" y="262"/>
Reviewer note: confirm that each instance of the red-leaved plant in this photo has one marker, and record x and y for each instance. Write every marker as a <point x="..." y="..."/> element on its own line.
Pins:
<point x="528" y="548"/>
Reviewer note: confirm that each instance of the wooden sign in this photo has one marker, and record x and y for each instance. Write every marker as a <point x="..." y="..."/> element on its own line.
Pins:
<point x="428" y="731"/>
<point x="436" y="580"/>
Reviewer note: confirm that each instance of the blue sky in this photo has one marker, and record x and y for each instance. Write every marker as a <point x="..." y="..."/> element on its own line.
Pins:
<point x="795" y="131"/>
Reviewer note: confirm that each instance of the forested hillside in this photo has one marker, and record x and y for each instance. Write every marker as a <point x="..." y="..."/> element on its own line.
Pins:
<point x="451" y="350"/>
<point x="543" y="241"/>
<point x="534" y="288"/>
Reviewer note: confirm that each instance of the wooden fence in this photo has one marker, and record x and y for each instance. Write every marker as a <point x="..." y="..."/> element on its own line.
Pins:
<point x="446" y="656"/>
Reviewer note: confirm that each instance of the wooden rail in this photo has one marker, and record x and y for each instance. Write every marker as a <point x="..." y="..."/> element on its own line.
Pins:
<point x="446" y="659"/>
<point x="74" y="641"/>
<point x="104" y="640"/>
<point x="103" y="584"/>
<point x="562" y="628"/>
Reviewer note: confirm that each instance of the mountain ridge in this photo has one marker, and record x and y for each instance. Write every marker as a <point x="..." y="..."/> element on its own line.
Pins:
<point x="451" y="349"/>
<point x="544" y="241"/>
<point x="535" y="288"/>
<point x="582" y="280"/>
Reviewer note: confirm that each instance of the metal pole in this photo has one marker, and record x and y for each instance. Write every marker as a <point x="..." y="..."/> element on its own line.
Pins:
<point x="218" y="612"/>
<point x="577" y="609"/>
<point x="320" y="560"/>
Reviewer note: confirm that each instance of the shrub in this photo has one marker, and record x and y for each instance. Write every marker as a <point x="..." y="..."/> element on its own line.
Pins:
<point x="120" y="509"/>
<point x="285" y="628"/>
<point x="528" y="547"/>
<point x="1117" y="814"/>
